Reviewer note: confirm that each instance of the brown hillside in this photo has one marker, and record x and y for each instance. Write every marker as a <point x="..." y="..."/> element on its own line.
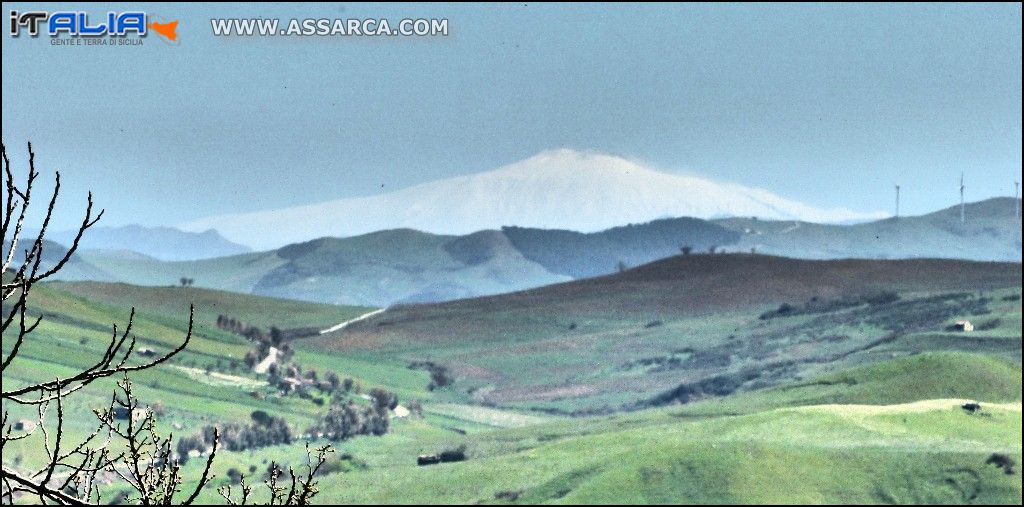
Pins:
<point x="677" y="286"/>
<point x="712" y="283"/>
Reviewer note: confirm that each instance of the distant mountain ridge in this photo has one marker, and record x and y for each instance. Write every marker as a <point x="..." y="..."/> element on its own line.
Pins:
<point x="163" y="243"/>
<point x="409" y="266"/>
<point x="580" y="255"/>
<point x="990" y="232"/>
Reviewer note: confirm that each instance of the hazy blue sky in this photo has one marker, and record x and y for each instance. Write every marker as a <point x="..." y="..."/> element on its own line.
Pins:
<point x="824" y="104"/>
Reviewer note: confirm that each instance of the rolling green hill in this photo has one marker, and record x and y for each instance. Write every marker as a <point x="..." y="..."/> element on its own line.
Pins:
<point x="906" y="379"/>
<point x="929" y="452"/>
<point x="376" y="269"/>
<point x="400" y="265"/>
<point x="173" y="302"/>
<point x="881" y="424"/>
<point x="407" y="266"/>
<point x="76" y="268"/>
<point x="238" y="273"/>
<point x="404" y="266"/>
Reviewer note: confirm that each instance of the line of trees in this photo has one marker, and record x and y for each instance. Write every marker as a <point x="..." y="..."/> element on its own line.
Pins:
<point x="242" y="328"/>
<point x="264" y="431"/>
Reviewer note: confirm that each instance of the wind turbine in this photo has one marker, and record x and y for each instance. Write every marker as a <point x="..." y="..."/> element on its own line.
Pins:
<point x="897" y="185"/>
<point x="963" y="216"/>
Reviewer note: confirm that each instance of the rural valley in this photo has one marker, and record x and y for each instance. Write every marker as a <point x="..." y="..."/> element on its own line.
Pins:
<point x="830" y="380"/>
<point x="464" y="253"/>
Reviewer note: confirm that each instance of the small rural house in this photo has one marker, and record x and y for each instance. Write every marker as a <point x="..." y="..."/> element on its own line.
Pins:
<point x="963" y="326"/>
<point x="26" y="425"/>
<point x="122" y="413"/>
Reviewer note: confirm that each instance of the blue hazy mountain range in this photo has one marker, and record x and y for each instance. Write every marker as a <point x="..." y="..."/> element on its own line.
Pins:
<point x="407" y="265"/>
<point x="161" y="243"/>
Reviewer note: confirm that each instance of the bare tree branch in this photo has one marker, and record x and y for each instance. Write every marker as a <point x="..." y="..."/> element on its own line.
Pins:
<point x="145" y="461"/>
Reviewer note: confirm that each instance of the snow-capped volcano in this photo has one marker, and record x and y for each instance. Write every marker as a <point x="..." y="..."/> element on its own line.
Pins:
<point x="563" y="189"/>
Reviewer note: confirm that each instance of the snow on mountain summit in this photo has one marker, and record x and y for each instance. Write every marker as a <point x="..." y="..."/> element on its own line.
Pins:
<point x="557" y="189"/>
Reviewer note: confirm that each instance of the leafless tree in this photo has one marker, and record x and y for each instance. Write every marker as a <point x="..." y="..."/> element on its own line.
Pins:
<point x="125" y="446"/>
<point x="283" y="490"/>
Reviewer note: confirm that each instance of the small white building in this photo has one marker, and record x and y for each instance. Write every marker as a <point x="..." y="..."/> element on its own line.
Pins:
<point x="26" y="425"/>
<point x="964" y="326"/>
<point x="138" y="414"/>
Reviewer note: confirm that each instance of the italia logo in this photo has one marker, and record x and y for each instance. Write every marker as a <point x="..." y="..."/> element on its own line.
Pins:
<point x="80" y="24"/>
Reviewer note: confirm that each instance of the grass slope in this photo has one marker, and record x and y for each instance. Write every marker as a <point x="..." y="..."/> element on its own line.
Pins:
<point x="174" y="302"/>
<point x="899" y="454"/>
<point x="902" y="380"/>
<point x="602" y="343"/>
<point x="811" y="441"/>
<point x="928" y="451"/>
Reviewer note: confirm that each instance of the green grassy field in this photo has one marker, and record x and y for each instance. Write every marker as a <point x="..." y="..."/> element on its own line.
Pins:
<point x="600" y="345"/>
<point x="851" y="423"/>
<point x="75" y="331"/>
<point x="172" y="303"/>
<point x="930" y="451"/>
